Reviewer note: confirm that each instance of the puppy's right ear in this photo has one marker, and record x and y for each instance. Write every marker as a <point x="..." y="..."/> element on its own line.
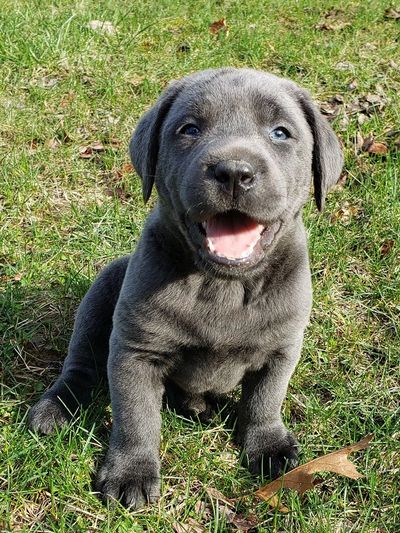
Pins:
<point x="145" y="141"/>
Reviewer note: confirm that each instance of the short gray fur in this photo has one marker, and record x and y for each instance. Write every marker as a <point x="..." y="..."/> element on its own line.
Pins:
<point x="168" y="317"/>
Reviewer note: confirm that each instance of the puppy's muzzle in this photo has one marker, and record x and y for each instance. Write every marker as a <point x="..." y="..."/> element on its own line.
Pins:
<point x="234" y="177"/>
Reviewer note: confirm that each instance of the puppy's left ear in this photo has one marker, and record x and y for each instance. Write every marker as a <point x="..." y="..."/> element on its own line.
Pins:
<point x="327" y="162"/>
<point x="145" y="141"/>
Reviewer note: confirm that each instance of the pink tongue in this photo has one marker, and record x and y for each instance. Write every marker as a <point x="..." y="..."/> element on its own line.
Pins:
<point x="232" y="236"/>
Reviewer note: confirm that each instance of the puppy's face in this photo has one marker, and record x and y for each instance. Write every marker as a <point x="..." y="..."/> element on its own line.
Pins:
<point x="234" y="155"/>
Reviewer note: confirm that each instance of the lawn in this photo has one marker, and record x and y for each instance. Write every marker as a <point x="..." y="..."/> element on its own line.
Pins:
<point x="70" y="95"/>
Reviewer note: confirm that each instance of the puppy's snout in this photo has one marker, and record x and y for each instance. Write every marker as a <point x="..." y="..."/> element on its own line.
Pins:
<point x="234" y="176"/>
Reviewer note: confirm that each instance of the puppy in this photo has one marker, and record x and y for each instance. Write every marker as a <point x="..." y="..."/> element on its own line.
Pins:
<point x="218" y="291"/>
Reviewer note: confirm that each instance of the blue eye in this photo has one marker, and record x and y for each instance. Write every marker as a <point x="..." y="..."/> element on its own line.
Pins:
<point x="189" y="129"/>
<point x="279" y="134"/>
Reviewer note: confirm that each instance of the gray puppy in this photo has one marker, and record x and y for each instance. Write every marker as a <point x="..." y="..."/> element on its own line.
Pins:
<point x="218" y="291"/>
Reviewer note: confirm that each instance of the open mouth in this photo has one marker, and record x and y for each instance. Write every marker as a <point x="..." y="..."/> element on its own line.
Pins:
<point x="233" y="238"/>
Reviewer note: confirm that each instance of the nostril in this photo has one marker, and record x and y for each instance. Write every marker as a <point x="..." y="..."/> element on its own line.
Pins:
<point x="246" y="175"/>
<point x="222" y="174"/>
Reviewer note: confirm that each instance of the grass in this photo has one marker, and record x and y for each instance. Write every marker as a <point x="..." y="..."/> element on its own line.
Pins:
<point x="64" y="86"/>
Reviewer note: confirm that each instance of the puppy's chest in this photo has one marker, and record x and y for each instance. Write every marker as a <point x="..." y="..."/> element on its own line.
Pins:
<point x="220" y="340"/>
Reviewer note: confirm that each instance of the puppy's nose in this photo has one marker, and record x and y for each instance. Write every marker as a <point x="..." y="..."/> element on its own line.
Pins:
<point x="234" y="176"/>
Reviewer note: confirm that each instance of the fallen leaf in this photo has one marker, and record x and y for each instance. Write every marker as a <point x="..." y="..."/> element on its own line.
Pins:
<point x="392" y="13"/>
<point x="346" y="213"/>
<point x="372" y="147"/>
<point x="378" y="148"/>
<point x="227" y="510"/>
<point x="302" y="479"/>
<point x="33" y="144"/>
<point x="191" y="526"/>
<point x="344" y="65"/>
<point x="122" y="171"/>
<point x="375" y="99"/>
<point x="202" y="509"/>
<point x="104" y="26"/>
<point x="244" y="524"/>
<point x="86" y="152"/>
<point x="217" y="495"/>
<point x="53" y="143"/>
<point x="336" y="26"/>
<point x="352" y="85"/>
<point x="344" y="123"/>
<point x="46" y="82"/>
<point x="362" y="119"/>
<point x="329" y="109"/>
<point x="387" y="246"/>
<point x="219" y="26"/>
<point x="15" y="277"/>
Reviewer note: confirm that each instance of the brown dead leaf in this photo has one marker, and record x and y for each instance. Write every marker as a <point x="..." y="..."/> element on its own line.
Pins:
<point x="15" y="277"/>
<point x="372" y="147"/>
<point x="33" y="144"/>
<point x="302" y="479"/>
<point x="387" y="246"/>
<point x="202" y="509"/>
<point x="362" y="119"/>
<point x="122" y="171"/>
<point x="53" y="143"/>
<point x="219" y="26"/>
<point x="217" y="495"/>
<point x="244" y="524"/>
<point x="190" y="526"/>
<point x="87" y="152"/>
<point x="346" y="213"/>
<point x="392" y="13"/>
<point x="226" y="509"/>
<point x="378" y="148"/>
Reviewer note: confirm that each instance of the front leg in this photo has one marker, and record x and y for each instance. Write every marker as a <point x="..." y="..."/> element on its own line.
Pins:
<point x="131" y="471"/>
<point x="268" y="446"/>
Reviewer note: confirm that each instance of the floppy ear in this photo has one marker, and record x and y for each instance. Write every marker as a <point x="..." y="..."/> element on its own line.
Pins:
<point x="327" y="159"/>
<point x="145" y="141"/>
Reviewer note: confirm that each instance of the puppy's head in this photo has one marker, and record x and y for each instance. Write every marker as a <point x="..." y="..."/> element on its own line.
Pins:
<point x="232" y="152"/>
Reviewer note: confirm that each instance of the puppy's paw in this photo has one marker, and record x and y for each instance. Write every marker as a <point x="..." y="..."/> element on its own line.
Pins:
<point x="133" y="482"/>
<point x="46" y="415"/>
<point x="270" y="452"/>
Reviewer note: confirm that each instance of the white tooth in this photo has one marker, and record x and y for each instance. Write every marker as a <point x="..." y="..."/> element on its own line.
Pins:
<point x="210" y="245"/>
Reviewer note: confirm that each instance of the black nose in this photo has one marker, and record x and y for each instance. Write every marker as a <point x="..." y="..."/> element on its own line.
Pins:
<point x="234" y="176"/>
